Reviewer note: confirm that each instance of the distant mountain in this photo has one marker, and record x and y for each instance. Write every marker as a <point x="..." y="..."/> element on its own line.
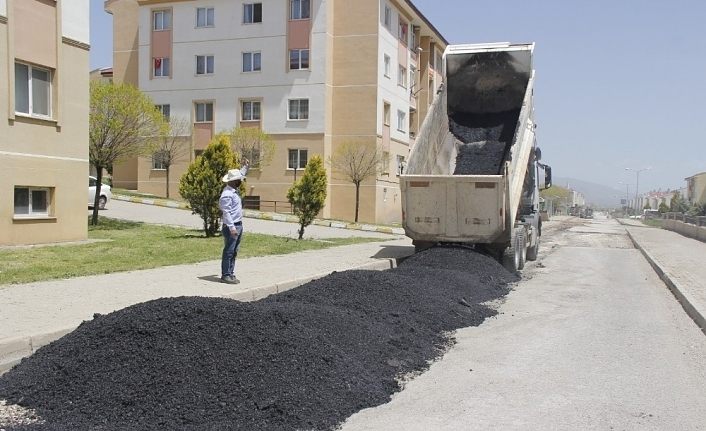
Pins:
<point x="596" y="195"/>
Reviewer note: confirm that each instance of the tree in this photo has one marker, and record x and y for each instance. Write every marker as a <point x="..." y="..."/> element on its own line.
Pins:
<point x="697" y="210"/>
<point x="647" y="206"/>
<point x="663" y="208"/>
<point x="253" y="144"/>
<point x="308" y="195"/>
<point x="678" y="203"/>
<point x="173" y="145"/>
<point x="358" y="162"/>
<point x="123" y="123"/>
<point x="201" y="185"/>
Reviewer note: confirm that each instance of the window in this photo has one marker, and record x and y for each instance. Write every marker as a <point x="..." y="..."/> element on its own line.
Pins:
<point x="251" y="62"/>
<point x="299" y="9"/>
<point x="250" y="111"/>
<point x="161" y="20"/>
<point x="31" y="201"/>
<point x="400" y="165"/>
<point x="386" y="114"/>
<point x="403" y="32"/>
<point x="298" y="109"/>
<point x="297" y="159"/>
<point x="387" y="65"/>
<point x="412" y="78"/>
<point x="159" y="160"/>
<point x="298" y="59"/>
<point x="161" y="67"/>
<point x="164" y="109"/>
<point x="204" y="16"/>
<point x="388" y="17"/>
<point x="32" y="90"/>
<point x="438" y="62"/>
<point x="401" y="116"/>
<point x="385" y="163"/>
<point x="402" y="77"/>
<point x="204" y="64"/>
<point x="204" y="112"/>
<point x="252" y="13"/>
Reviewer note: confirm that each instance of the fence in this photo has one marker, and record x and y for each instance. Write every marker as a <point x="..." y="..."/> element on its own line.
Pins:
<point x="282" y="207"/>
<point x="695" y="220"/>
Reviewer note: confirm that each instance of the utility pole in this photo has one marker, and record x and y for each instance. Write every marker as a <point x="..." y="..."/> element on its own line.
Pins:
<point x="637" y="184"/>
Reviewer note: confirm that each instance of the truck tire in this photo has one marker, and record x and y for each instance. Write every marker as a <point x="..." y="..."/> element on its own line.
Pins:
<point x="514" y="256"/>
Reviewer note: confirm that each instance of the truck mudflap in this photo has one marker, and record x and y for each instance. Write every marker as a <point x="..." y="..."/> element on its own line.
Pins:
<point x="454" y="208"/>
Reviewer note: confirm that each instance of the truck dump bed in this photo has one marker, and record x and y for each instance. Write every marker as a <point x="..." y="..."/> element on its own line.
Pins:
<point x="464" y="177"/>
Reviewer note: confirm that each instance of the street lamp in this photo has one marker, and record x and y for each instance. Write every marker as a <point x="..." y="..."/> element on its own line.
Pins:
<point x="637" y="183"/>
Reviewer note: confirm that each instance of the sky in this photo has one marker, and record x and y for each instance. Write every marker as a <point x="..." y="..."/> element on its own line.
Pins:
<point x="620" y="83"/>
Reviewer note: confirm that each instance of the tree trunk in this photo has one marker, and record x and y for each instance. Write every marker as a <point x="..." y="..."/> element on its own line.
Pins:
<point x="167" y="181"/>
<point x="357" y="199"/>
<point x="301" y="231"/>
<point x="96" y="198"/>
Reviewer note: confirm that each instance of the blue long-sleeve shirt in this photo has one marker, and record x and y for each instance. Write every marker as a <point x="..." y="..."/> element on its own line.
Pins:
<point x="231" y="205"/>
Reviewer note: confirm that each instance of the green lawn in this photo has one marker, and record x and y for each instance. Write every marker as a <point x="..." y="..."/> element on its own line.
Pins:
<point x="129" y="246"/>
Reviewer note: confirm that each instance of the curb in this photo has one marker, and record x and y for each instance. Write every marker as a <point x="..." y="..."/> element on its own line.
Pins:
<point x="681" y="295"/>
<point x="13" y="350"/>
<point x="267" y="216"/>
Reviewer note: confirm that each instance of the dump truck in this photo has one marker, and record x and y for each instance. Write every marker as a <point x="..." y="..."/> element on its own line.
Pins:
<point x="473" y="174"/>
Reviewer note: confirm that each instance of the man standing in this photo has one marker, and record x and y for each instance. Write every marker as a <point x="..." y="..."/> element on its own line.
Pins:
<point x="232" y="215"/>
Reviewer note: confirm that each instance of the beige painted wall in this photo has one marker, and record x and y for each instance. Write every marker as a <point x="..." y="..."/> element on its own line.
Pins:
<point x="31" y="44"/>
<point x="37" y="153"/>
<point x="125" y="39"/>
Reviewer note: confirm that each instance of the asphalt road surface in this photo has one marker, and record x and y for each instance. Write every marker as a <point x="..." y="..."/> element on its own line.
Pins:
<point x="590" y="339"/>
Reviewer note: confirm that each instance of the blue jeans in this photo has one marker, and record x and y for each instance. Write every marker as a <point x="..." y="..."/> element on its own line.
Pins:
<point x="230" y="250"/>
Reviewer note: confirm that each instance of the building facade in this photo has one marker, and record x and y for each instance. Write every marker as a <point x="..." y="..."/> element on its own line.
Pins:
<point x="313" y="74"/>
<point x="44" y="134"/>
<point x="696" y="189"/>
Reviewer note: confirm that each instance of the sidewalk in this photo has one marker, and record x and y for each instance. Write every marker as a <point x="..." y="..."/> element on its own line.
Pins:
<point x="680" y="262"/>
<point x="34" y="314"/>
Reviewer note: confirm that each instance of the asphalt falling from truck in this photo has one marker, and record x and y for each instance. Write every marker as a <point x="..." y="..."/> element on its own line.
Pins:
<point x="483" y="141"/>
<point x="304" y="359"/>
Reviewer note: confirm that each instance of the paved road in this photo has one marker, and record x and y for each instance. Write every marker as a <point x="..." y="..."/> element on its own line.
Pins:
<point x="590" y="339"/>
<point x="178" y="217"/>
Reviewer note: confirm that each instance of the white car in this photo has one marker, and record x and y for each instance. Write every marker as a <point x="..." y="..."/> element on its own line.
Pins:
<point x="105" y="197"/>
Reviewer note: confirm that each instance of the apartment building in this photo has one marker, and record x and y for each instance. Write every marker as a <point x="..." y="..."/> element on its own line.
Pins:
<point x="44" y="131"/>
<point x="313" y="74"/>
<point x="696" y="189"/>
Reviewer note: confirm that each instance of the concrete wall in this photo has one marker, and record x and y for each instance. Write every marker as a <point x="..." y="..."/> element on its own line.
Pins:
<point x="686" y="229"/>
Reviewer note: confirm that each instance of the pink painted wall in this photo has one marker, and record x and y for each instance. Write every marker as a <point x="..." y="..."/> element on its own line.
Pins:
<point x="203" y="133"/>
<point x="35" y="31"/>
<point x="162" y="44"/>
<point x="299" y="32"/>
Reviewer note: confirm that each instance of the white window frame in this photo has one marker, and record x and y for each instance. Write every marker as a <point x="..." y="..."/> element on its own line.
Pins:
<point x="208" y="13"/>
<point x="247" y="114"/>
<point x="401" y="120"/>
<point x="252" y="61"/>
<point x="299" y="109"/>
<point x="386" y="114"/>
<point x="30" y="93"/>
<point x="299" y="52"/>
<point x="387" y="17"/>
<point x="299" y="14"/>
<point x="252" y="7"/>
<point x="161" y="26"/>
<point x="206" y="58"/>
<point x="299" y="158"/>
<point x="401" y="164"/>
<point x="205" y="112"/>
<point x="159" y="73"/>
<point x="158" y="161"/>
<point x="160" y="107"/>
<point x="387" y="61"/>
<point x="402" y="76"/>
<point x="30" y="212"/>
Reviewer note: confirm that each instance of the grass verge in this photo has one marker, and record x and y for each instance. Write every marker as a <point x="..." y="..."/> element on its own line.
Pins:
<point x="128" y="246"/>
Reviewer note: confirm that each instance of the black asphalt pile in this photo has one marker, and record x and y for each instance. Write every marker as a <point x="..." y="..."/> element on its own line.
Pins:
<point x="483" y="141"/>
<point x="305" y="359"/>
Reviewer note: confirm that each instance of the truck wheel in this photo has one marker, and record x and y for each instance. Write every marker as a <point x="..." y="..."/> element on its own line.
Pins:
<point x="514" y="256"/>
